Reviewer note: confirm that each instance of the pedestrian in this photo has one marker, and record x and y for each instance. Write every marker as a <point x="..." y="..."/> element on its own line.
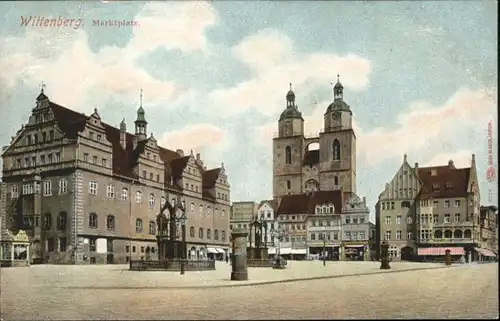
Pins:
<point x="227" y="258"/>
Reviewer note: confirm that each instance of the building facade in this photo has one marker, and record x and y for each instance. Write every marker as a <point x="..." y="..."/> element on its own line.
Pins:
<point x="267" y="212"/>
<point x="242" y="216"/>
<point x="355" y="229"/>
<point x="297" y="169"/>
<point x="88" y="192"/>
<point x="489" y="229"/>
<point x="436" y="208"/>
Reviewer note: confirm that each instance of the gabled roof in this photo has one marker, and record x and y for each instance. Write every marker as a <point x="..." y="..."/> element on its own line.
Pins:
<point x="447" y="181"/>
<point x="306" y="203"/>
<point x="272" y="203"/>
<point x="125" y="159"/>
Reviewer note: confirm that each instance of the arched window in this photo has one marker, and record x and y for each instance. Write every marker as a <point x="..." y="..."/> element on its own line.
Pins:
<point x="336" y="180"/>
<point x="288" y="155"/>
<point x="438" y="234"/>
<point x="138" y="225"/>
<point x="93" y="220"/>
<point x="447" y="234"/>
<point x="138" y="196"/>
<point x="191" y="231"/>
<point x="467" y="234"/>
<point x="216" y="235"/>
<point x="110" y="222"/>
<point x="151" y="201"/>
<point x="336" y="150"/>
<point x="200" y="233"/>
<point x="124" y="194"/>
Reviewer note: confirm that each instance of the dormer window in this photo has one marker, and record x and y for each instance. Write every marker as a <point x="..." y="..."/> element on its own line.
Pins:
<point x="435" y="187"/>
<point x="433" y="172"/>
<point x="99" y="138"/>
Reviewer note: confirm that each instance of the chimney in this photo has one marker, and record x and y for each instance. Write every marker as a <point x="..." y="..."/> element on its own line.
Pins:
<point x="123" y="134"/>
<point x="416" y="165"/>
<point x="450" y="163"/>
<point x="364" y="200"/>
<point x="180" y="152"/>
<point x="473" y="160"/>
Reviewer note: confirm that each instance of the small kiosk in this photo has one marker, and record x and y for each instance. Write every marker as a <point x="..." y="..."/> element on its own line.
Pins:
<point x="14" y="249"/>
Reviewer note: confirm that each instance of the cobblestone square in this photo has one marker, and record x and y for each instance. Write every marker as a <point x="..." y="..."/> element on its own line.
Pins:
<point x="49" y="292"/>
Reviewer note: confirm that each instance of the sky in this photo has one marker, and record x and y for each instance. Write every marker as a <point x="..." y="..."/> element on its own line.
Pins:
<point x="420" y="77"/>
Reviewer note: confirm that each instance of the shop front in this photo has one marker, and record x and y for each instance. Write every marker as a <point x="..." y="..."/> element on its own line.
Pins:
<point x="332" y="252"/>
<point x="354" y="251"/>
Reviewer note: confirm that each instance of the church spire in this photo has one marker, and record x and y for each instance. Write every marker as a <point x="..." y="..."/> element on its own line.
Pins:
<point x="290" y="98"/>
<point x="338" y="90"/>
<point x="141" y="123"/>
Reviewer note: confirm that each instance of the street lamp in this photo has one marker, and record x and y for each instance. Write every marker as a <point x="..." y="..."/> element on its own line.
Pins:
<point x="182" y="220"/>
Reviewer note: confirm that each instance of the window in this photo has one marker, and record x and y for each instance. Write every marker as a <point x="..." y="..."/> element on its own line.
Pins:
<point x="361" y="220"/>
<point x="409" y="220"/>
<point x="457" y="203"/>
<point x="92" y="245"/>
<point x="313" y="237"/>
<point x="398" y="235"/>
<point x="196" y="188"/>
<point x="388" y="235"/>
<point x="93" y="187"/>
<point x="50" y="245"/>
<point x="93" y="220"/>
<point x="18" y="163"/>
<point x="110" y="223"/>
<point x="152" y="228"/>
<point x="192" y="207"/>
<point x="94" y="160"/>
<point x="151" y="201"/>
<point x="14" y="192"/>
<point x="144" y="174"/>
<point x="201" y="209"/>
<point x="362" y="236"/>
<point x="47" y="188"/>
<point x="288" y="184"/>
<point x="151" y="175"/>
<point x="191" y="231"/>
<point x="457" y="217"/>
<point x="336" y="150"/>
<point x="103" y="162"/>
<point x="33" y="161"/>
<point x="347" y="236"/>
<point x="200" y="233"/>
<point x="435" y="218"/>
<point x="216" y="235"/>
<point x="354" y="220"/>
<point x="392" y="205"/>
<point x="133" y="249"/>
<point x="447" y="218"/>
<point x="398" y="219"/>
<point x="138" y="225"/>
<point x="63" y="186"/>
<point x="388" y="220"/>
<point x="124" y="194"/>
<point x="354" y="236"/>
<point x="157" y="177"/>
<point x="85" y="157"/>
<point x="47" y="221"/>
<point x="383" y="206"/>
<point x="288" y="155"/>
<point x="42" y="159"/>
<point x="410" y="235"/>
<point x="348" y="220"/>
<point x="138" y="197"/>
<point x="111" y="191"/>
<point x="91" y="135"/>
<point x="447" y="203"/>
<point x="163" y="201"/>
<point x="62" y="219"/>
<point x="62" y="244"/>
<point x="223" y="236"/>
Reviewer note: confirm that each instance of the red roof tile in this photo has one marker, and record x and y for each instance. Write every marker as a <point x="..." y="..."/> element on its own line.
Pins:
<point x="443" y="181"/>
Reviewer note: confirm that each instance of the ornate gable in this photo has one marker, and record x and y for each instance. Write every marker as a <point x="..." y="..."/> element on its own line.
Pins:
<point x="405" y="184"/>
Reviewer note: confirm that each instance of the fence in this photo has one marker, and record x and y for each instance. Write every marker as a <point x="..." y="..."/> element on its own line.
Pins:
<point x="172" y="265"/>
<point x="259" y="263"/>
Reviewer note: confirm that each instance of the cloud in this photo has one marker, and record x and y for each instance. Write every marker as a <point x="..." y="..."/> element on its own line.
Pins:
<point x="461" y="159"/>
<point x="424" y="132"/>
<point x="178" y="25"/>
<point x="194" y="137"/>
<point x="273" y="63"/>
<point x="90" y="78"/>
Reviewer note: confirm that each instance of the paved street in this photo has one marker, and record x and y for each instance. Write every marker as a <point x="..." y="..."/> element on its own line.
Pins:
<point x="72" y="292"/>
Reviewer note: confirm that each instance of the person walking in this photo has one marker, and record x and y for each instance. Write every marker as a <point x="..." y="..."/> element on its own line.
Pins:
<point x="227" y="258"/>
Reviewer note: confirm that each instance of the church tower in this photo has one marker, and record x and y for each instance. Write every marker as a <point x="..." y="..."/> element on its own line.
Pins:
<point x="141" y="125"/>
<point x="338" y="145"/>
<point x="287" y="150"/>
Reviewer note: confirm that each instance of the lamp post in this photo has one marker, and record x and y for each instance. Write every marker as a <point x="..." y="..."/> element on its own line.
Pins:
<point x="182" y="220"/>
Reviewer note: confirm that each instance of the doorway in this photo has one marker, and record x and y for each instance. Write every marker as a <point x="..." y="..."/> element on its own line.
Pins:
<point x="109" y="259"/>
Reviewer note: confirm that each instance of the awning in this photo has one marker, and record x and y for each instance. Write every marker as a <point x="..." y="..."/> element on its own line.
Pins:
<point x="299" y="251"/>
<point x="286" y="250"/>
<point x="211" y="250"/>
<point x="484" y="252"/>
<point x="440" y="250"/>
<point x="219" y="250"/>
<point x="360" y="245"/>
<point x="271" y="250"/>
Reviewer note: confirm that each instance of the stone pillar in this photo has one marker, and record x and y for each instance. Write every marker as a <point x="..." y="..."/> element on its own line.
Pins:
<point x="384" y="256"/>
<point x="239" y="258"/>
<point x="447" y="257"/>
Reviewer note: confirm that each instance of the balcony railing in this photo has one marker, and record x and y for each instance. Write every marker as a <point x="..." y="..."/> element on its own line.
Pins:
<point x="447" y="240"/>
